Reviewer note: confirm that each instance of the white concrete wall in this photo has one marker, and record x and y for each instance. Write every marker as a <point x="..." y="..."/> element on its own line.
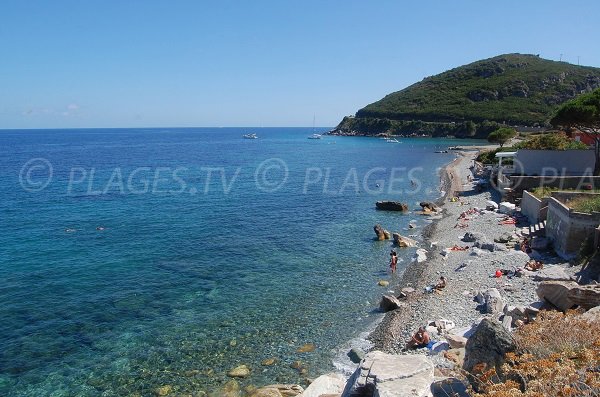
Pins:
<point x="555" y="162"/>
<point x="531" y="206"/>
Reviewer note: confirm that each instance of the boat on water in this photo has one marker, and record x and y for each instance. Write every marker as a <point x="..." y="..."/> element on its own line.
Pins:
<point x="392" y="140"/>
<point x="250" y="136"/>
<point x="315" y="136"/>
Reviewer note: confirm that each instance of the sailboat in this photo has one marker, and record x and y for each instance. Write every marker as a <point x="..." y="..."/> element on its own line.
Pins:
<point x="315" y="135"/>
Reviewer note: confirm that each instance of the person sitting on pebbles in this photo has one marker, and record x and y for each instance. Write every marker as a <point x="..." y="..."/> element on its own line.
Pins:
<point x="441" y="284"/>
<point x="419" y="340"/>
<point x="437" y="287"/>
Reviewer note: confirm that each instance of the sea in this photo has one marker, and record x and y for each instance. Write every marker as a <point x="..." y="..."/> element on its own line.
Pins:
<point x="134" y="259"/>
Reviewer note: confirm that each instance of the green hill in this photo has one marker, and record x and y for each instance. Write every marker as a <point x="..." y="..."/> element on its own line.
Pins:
<point x="471" y="100"/>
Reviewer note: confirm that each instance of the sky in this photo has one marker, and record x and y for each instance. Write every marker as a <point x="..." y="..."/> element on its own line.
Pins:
<point x="179" y="63"/>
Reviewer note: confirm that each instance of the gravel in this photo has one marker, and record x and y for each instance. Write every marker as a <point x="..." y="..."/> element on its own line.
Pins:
<point x="468" y="272"/>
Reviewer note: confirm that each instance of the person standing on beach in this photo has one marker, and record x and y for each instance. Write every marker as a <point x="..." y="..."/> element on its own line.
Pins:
<point x="393" y="261"/>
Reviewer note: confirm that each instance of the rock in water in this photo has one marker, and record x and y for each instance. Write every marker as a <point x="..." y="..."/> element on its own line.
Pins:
<point x="268" y="361"/>
<point x="381" y="233"/>
<point x="383" y="283"/>
<point x="286" y="390"/>
<point x="428" y="206"/>
<point x="326" y="384"/>
<point x="391" y="206"/>
<point x="266" y="392"/>
<point x="306" y="348"/>
<point x="485" y="349"/>
<point x="163" y="390"/>
<point x="403" y="242"/>
<point x="389" y="303"/>
<point x="356" y="355"/>
<point x="387" y="375"/>
<point x="241" y="371"/>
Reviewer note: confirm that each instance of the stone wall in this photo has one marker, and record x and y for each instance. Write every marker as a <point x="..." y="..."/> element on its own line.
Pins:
<point x="567" y="228"/>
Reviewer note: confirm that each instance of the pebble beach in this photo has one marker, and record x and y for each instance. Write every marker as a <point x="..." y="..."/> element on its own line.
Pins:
<point x="468" y="271"/>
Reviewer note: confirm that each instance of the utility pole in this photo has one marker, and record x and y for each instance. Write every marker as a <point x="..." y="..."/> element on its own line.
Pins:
<point x="560" y="60"/>
<point x="577" y="60"/>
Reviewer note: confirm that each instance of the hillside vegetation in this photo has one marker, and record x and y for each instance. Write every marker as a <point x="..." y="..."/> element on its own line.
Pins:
<point x="472" y="100"/>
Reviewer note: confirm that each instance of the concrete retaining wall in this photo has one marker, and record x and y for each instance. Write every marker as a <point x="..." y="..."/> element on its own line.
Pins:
<point x="554" y="162"/>
<point x="567" y="228"/>
<point x="531" y="206"/>
<point x="521" y="183"/>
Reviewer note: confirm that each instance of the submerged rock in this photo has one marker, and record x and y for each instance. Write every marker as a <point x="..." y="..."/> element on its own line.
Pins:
<point x="268" y="361"/>
<point x="306" y="348"/>
<point x="241" y="371"/>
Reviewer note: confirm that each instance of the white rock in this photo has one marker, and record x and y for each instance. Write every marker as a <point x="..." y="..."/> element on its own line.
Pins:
<point x="506" y="208"/>
<point x="325" y="384"/>
<point x="420" y="255"/>
<point x="392" y="375"/>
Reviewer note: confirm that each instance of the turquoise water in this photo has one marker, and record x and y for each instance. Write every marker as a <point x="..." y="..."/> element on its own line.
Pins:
<point x="151" y="257"/>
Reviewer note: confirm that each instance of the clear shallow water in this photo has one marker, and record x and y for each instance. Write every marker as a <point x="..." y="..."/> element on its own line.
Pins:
<point x="215" y="251"/>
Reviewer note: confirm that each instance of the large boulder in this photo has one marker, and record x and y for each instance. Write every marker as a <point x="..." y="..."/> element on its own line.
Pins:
<point x="456" y="341"/>
<point x="586" y="296"/>
<point x="403" y="242"/>
<point x="326" y="384"/>
<point x="386" y="375"/>
<point x="420" y="255"/>
<point x="389" y="303"/>
<point x="391" y="206"/>
<point x="553" y="273"/>
<point x="492" y="301"/>
<point x="556" y="293"/>
<point x="428" y="206"/>
<point x="592" y="315"/>
<point x="381" y="233"/>
<point x="485" y="350"/>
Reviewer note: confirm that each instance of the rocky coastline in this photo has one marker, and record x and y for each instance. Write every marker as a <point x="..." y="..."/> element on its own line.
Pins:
<point x="475" y="244"/>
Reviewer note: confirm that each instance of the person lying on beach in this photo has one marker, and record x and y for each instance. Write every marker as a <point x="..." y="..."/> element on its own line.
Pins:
<point x="419" y="340"/>
<point x="458" y="248"/>
<point x="534" y="265"/>
<point x="441" y="284"/>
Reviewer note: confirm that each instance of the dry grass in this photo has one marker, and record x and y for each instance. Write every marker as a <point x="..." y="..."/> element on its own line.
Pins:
<point x="557" y="355"/>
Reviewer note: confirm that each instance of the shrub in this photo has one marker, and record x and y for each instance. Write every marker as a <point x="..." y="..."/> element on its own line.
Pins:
<point x="557" y="355"/>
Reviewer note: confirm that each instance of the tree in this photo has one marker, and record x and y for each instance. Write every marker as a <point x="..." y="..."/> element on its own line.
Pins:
<point x="502" y="135"/>
<point x="583" y="113"/>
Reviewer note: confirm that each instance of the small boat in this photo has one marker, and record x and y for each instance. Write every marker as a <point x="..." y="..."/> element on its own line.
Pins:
<point x="441" y="151"/>
<point x="315" y="136"/>
<point x="392" y="140"/>
<point x="250" y="136"/>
